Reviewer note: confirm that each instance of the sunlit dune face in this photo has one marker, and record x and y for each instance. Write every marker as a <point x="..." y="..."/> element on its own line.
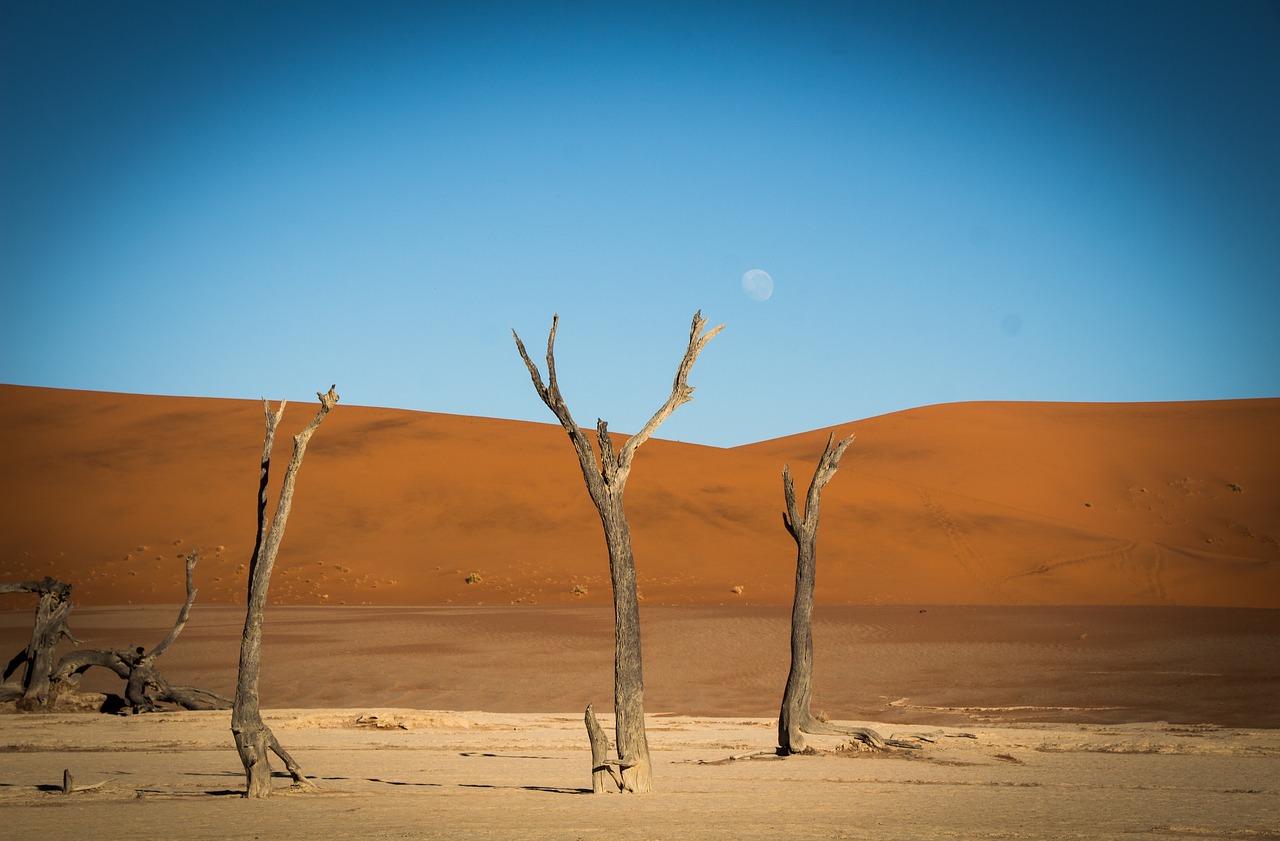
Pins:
<point x="987" y="503"/>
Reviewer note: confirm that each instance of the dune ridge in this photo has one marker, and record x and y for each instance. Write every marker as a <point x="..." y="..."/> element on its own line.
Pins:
<point x="972" y="503"/>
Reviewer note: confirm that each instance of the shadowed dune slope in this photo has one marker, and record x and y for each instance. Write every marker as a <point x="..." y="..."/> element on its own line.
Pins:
<point x="976" y="503"/>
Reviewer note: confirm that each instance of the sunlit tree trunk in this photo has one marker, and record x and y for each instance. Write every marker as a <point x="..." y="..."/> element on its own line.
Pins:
<point x="606" y="476"/>
<point x="795" y="719"/>
<point x="253" y="737"/>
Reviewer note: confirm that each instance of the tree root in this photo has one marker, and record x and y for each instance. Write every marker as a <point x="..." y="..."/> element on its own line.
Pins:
<point x="865" y="735"/>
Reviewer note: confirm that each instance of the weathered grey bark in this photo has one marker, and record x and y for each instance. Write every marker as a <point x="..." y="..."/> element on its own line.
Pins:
<point x="253" y="737"/>
<point x="145" y="687"/>
<point x="606" y="479"/>
<point x="50" y="627"/>
<point x="795" y="719"/>
<point x="602" y="768"/>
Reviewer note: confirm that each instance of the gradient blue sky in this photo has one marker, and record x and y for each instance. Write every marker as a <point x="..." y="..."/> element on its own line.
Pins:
<point x="957" y="201"/>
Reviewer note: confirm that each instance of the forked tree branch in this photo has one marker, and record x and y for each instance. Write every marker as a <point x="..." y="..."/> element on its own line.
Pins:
<point x="550" y="394"/>
<point x="681" y="391"/>
<point x="268" y="443"/>
<point x="807" y="522"/>
<point x="611" y="467"/>
<point x="285" y="503"/>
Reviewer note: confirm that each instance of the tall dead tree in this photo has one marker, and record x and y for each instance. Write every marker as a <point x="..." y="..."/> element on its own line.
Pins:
<point x="253" y="737"/>
<point x="796" y="719"/>
<point x="50" y="627"/>
<point x="606" y="477"/>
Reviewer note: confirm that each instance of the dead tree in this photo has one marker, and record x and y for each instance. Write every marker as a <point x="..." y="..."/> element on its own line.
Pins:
<point x="50" y="627"/>
<point x="144" y="677"/>
<point x="252" y="736"/>
<point x="145" y="687"/>
<point x="796" y="719"/>
<point x="606" y="476"/>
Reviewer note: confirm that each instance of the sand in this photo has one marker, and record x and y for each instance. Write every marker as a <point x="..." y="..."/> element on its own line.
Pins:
<point x="488" y="775"/>
<point x="973" y="503"/>
<point x="465" y="722"/>
<point x="942" y="665"/>
<point x="1073" y="609"/>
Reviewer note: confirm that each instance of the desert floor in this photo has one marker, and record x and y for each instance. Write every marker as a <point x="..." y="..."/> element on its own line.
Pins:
<point x="1068" y="722"/>
<point x="493" y="775"/>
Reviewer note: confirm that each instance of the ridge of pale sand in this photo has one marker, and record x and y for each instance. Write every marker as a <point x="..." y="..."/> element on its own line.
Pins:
<point x="976" y="503"/>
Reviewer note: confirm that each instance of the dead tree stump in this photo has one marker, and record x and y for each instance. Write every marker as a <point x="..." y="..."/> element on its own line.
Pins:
<point x="50" y="627"/>
<point x="602" y="769"/>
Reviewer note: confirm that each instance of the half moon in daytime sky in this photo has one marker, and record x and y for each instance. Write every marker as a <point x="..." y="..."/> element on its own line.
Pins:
<point x="757" y="284"/>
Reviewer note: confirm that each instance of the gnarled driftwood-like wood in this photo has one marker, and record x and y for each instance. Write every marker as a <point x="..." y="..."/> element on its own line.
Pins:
<point x="145" y="688"/>
<point x="50" y="627"/>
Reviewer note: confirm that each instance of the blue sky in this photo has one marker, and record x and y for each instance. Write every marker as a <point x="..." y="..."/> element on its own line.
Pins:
<point x="957" y="201"/>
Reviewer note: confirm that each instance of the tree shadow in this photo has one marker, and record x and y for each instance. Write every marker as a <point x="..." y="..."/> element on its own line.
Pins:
<point x="275" y="774"/>
<point x="217" y="792"/>
<point x="379" y="781"/>
<point x="548" y="789"/>
<point x="503" y="755"/>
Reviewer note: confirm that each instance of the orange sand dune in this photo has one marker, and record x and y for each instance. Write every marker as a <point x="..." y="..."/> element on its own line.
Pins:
<point x="982" y="503"/>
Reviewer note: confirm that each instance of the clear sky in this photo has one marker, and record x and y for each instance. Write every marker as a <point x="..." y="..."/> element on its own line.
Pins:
<point x="956" y="201"/>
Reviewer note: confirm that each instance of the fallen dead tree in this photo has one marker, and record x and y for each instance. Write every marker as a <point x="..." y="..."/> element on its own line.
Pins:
<point x="145" y="688"/>
<point x="44" y="683"/>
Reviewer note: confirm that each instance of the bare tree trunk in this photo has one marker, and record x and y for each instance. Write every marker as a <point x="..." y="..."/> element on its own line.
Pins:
<point x="795" y="719"/>
<point x="605" y="479"/>
<point x="50" y="627"/>
<point x="628" y="668"/>
<point x="253" y="737"/>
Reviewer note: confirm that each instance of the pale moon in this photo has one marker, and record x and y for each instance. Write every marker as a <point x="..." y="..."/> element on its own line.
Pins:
<point x="757" y="284"/>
